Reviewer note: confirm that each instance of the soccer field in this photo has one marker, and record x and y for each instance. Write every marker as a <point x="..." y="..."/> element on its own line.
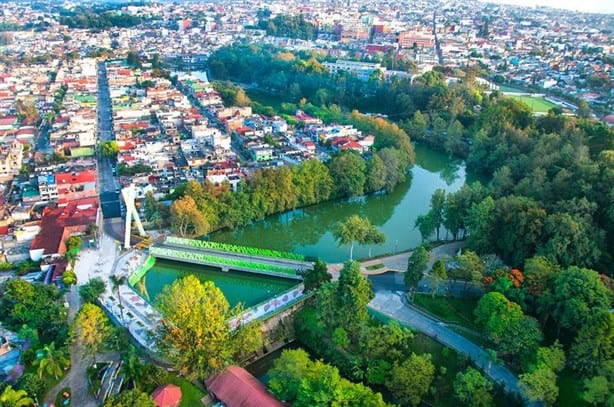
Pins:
<point x="537" y="104"/>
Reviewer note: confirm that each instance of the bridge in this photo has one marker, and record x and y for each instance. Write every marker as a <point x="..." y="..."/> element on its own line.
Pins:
<point x="227" y="256"/>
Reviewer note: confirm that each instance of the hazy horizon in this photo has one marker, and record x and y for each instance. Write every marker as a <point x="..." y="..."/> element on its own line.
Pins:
<point x="588" y="6"/>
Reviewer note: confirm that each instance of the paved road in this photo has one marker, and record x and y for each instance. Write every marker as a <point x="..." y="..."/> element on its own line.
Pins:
<point x="108" y="185"/>
<point x="76" y="378"/>
<point x="390" y="303"/>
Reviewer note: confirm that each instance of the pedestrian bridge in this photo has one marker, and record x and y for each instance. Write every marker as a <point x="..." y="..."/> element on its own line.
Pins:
<point x="227" y="257"/>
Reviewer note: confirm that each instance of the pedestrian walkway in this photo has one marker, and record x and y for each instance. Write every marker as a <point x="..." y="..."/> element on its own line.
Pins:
<point x="390" y="303"/>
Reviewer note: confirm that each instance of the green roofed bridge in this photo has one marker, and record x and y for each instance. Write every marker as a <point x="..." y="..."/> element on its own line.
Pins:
<point x="227" y="256"/>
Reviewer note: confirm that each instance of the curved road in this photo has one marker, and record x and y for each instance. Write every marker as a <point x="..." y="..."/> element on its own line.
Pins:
<point x="389" y="291"/>
<point x="391" y="304"/>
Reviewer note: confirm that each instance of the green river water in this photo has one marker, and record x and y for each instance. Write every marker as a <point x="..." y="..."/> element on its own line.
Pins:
<point x="250" y="289"/>
<point x="308" y="230"/>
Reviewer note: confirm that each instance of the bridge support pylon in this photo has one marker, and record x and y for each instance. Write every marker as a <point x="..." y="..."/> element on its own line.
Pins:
<point x="129" y="195"/>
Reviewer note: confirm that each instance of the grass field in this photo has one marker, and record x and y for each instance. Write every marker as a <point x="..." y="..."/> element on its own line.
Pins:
<point x="190" y="394"/>
<point x="455" y="310"/>
<point x="264" y="98"/>
<point x="537" y="104"/>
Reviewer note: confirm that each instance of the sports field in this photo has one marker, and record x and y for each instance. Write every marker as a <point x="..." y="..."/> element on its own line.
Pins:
<point x="537" y="104"/>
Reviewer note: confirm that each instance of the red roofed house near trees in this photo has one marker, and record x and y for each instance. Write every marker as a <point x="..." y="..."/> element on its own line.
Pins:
<point x="236" y="387"/>
<point x="59" y="224"/>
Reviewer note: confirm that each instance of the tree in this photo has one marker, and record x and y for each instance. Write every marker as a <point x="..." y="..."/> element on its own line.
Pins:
<point x="91" y="330"/>
<point x="73" y="243"/>
<point x="439" y="273"/>
<point x="299" y="381"/>
<point x="552" y="357"/>
<point x="194" y="330"/>
<point x="14" y="398"/>
<point x="594" y="344"/>
<point x="69" y="278"/>
<point x="53" y="362"/>
<point x="538" y="271"/>
<point x="109" y="149"/>
<point x="117" y="281"/>
<point x="576" y="294"/>
<point x="540" y="385"/>
<point x="287" y="372"/>
<point x="92" y="290"/>
<point x="186" y="219"/>
<point x="376" y="174"/>
<point x="473" y="389"/>
<point x="356" y="229"/>
<point x="130" y="398"/>
<point x="597" y="391"/>
<point x="470" y="266"/>
<point x="426" y="224"/>
<point x="348" y="170"/>
<point x="314" y="278"/>
<point x="438" y="200"/>
<point x="133" y="368"/>
<point x="411" y="379"/>
<point x="416" y="266"/>
<point x="354" y="294"/>
<point x="520" y="338"/>
<point x="480" y="224"/>
<point x="494" y="313"/>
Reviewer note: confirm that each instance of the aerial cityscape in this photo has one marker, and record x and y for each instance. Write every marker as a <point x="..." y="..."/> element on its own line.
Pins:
<point x="306" y="203"/>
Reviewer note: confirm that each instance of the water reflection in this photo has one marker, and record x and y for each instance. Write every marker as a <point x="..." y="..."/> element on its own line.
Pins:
<point x="308" y="230"/>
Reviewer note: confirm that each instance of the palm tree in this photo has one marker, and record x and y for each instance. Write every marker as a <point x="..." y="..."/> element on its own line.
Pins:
<point x="133" y="368"/>
<point x="53" y="363"/>
<point x="117" y="281"/>
<point x="14" y="398"/>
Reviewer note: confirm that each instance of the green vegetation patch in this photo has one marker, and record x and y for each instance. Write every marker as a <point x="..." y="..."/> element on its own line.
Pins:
<point x="453" y="310"/>
<point x="376" y="266"/>
<point x="82" y="152"/>
<point x="570" y="390"/>
<point x="190" y="394"/>
<point x="536" y="104"/>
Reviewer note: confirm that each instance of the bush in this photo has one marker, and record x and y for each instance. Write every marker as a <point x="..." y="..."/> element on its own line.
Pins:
<point x="31" y="384"/>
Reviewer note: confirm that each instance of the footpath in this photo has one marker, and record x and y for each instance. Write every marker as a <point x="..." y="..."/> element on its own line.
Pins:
<point x="389" y="301"/>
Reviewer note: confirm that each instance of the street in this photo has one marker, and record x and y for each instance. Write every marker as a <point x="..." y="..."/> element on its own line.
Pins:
<point x="108" y="185"/>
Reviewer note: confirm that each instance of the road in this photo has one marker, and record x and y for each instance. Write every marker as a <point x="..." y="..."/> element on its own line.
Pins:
<point x="390" y="290"/>
<point x="390" y="303"/>
<point x="108" y="185"/>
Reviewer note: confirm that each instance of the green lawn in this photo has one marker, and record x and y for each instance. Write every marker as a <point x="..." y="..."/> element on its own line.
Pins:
<point x="264" y="98"/>
<point x="504" y="88"/>
<point x="537" y="104"/>
<point x="190" y="394"/>
<point x="453" y="310"/>
<point x="570" y="390"/>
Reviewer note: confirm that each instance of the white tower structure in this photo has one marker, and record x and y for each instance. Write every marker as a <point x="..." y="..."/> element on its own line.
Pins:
<point x="129" y="194"/>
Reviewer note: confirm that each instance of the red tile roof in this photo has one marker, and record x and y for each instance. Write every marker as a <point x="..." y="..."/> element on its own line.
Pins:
<point x="81" y="177"/>
<point x="58" y="224"/>
<point x="236" y="387"/>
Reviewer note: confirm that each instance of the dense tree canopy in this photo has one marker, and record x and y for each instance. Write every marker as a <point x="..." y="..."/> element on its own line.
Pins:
<point x="195" y="330"/>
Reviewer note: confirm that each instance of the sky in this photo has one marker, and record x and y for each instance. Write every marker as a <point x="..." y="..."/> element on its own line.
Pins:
<point x="593" y="6"/>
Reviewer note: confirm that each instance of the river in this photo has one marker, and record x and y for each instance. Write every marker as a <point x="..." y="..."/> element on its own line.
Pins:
<point x="309" y="230"/>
